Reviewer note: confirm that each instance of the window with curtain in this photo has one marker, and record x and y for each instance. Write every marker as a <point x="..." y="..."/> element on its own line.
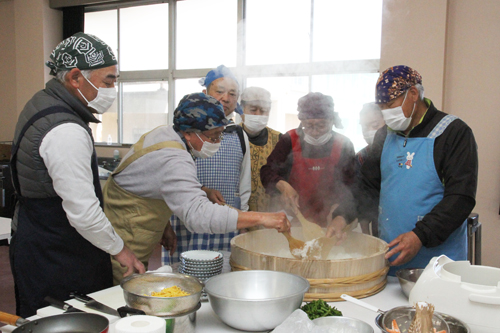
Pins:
<point x="289" y="47"/>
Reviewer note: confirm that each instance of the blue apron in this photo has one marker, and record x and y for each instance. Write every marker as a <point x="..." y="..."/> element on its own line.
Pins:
<point x="409" y="190"/>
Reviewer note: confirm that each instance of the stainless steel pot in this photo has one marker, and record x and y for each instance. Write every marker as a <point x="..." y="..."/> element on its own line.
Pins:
<point x="137" y="287"/>
<point x="407" y="278"/>
<point x="456" y="326"/>
<point x="403" y="316"/>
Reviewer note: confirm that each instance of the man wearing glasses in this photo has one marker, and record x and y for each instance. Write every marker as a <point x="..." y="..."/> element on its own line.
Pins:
<point x="157" y="178"/>
<point x="225" y="176"/>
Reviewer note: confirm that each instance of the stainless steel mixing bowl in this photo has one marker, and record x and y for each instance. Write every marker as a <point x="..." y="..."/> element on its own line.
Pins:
<point x="456" y="326"/>
<point x="255" y="300"/>
<point x="403" y="316"/>
<point x="344" y="324"/>
<point x="138" y="287"/>
<point x="407" y="278"/>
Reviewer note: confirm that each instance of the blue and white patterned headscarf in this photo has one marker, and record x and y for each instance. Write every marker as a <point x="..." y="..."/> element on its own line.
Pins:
<point x="198" y="112"/>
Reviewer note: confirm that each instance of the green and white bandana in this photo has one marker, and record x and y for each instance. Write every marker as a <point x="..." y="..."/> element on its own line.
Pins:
<point x="82" y="51"/>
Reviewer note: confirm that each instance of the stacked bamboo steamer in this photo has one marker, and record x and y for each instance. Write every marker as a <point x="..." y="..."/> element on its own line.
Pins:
<point x="361" y="276"/>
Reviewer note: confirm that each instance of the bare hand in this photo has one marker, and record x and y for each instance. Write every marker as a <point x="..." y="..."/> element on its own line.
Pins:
<point x="407" y="245"/>
<point x="169" y="239"/>
<point x="127" y="258"/>
<point x="289" y="197"/>
<point x="277" y="221"/>
<point x="335" y="228"/>
<point x="214" y="195"/>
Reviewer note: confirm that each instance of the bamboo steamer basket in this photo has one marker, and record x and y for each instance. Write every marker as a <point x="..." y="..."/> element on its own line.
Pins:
<point x="359" y="277"/>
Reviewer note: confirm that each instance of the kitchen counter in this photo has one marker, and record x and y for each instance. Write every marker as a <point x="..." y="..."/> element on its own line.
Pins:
<point x="208" y="322"/>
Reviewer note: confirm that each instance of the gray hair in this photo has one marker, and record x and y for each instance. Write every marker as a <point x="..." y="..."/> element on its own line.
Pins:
<point x="420" y="89"/>
<point x="61" y="75"/>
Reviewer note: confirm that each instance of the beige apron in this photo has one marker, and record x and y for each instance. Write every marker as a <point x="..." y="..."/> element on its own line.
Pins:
<point x="139" y="221"/>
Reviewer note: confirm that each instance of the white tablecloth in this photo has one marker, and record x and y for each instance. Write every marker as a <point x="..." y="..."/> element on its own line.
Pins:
<point x="208" y="322"/>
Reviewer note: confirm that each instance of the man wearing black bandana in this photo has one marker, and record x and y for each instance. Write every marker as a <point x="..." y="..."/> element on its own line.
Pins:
<point x="61" y="240"/>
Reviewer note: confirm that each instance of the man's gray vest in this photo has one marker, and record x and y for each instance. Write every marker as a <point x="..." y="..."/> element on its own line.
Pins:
<point x="34" y="180"/>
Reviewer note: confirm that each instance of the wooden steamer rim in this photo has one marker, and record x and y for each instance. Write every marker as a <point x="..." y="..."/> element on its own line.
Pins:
<point x="358" y="277"/>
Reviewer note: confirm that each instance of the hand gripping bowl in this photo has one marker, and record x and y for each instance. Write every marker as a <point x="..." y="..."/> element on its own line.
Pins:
<point x="137" y="286"/>
<point x="255" y="300"/>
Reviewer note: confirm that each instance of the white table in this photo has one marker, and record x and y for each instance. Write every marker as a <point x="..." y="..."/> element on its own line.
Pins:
<point x="208" y="322"/>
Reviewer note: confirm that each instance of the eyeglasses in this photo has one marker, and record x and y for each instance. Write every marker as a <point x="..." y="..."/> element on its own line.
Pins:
<point x="213" y="140"/>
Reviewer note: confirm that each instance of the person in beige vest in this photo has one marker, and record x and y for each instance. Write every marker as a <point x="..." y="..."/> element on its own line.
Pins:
<point x="157" y="178"/>
<point x="256" y="103"/>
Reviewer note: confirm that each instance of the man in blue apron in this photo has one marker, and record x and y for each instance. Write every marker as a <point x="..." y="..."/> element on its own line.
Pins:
<point x="421" y="173"/>
<point x="61" y="239"/>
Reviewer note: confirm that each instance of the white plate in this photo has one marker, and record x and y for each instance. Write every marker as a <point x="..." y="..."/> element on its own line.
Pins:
<point x="200" y="276"/>
<point x="202" y="265"/>
<point x="200" y="270"/>
<point x="201" y="255"/>
<point x="206" y="273"/>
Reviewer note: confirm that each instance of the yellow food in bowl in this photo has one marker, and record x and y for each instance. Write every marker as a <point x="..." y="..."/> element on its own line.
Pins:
<point x="173" y="291"/>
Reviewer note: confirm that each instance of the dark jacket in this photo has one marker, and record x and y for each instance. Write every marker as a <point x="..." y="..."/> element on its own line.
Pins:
<point x="456" y="161"/>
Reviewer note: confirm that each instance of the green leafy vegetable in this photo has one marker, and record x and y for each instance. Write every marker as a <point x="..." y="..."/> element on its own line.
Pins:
<point x="319" y="308"/>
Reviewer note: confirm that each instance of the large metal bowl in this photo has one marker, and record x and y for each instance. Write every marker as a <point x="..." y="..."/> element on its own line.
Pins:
<point x="344" y="324"/>
<point x="407" y="278"/>
<point x="255" y="300"/>
<point x="137" y="287"/>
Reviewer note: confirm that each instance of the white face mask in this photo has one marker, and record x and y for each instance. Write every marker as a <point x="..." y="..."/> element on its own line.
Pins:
<point x="104" y="99"/>
<point x="395" y="117"/>
<point x="319" y="141"/>
<point x="369" y="136"/>
<point x="207" y="150"/>
<point x="254" y="124"/>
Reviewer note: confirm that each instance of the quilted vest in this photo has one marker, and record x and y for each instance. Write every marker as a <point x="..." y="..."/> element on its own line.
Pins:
<point x="34" y="180"/>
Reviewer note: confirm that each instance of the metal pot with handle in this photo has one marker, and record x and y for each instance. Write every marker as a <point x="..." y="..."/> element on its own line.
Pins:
<point x="401" y="315"/>
<point x="63" y="323"/>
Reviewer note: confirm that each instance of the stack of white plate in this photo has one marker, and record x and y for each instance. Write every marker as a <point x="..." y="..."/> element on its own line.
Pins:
<point x="202" y="264"/>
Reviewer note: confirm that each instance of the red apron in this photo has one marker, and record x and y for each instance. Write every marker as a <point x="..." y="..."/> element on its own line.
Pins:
<point x="314" y="180"/>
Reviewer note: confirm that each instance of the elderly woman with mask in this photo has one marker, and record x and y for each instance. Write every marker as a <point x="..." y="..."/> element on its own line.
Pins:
<point x="157" y="178"/>
<point x="256" y="103"/>
<point x="312" y="167"/>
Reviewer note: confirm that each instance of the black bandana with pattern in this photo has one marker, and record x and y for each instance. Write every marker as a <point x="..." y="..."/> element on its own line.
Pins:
<point x="82" y="51"/>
